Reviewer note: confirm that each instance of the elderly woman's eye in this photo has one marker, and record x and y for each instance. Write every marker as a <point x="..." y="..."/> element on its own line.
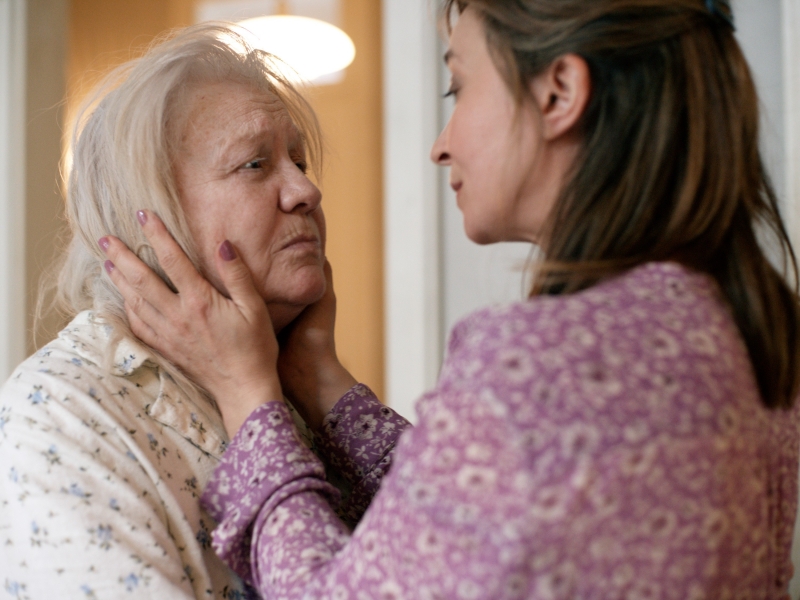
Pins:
<point x="253" y="164"/>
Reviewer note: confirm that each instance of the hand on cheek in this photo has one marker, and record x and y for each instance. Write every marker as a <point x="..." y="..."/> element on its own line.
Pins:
<point x="227" y="345"/>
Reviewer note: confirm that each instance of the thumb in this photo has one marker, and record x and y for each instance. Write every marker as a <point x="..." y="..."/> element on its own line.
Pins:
<point x="237" y="278"/>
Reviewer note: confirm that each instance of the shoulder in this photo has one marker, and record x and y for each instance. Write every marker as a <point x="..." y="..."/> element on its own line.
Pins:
<point x="657" y="326"/>
<point x="61" y="372"/>
<point x="64" y="387"/>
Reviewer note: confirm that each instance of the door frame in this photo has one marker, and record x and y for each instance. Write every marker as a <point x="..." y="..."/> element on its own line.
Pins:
<point x="791" y="98"/>
<point x="412" y="220"/>
<point x="13" y="39"/>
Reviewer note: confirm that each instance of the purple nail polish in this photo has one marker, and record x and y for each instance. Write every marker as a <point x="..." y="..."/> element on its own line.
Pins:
<point x="109" y="266"/>
<point x="142" y="216"/>
<point x="104" y="243"/>
<point x="226" y="251"/>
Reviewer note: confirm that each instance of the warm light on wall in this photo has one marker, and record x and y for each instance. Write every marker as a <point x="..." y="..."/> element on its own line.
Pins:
<point x="313" y="48"/>
<point x="302" y="33"/>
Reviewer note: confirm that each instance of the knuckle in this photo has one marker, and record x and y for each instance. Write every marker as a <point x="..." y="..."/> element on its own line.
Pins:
<point x="137" y="304"/>
<point x="169" y="260"/>
<point x="238" y="275"/>
<point x="197" y="305"/>
<point x="137" y="279"/>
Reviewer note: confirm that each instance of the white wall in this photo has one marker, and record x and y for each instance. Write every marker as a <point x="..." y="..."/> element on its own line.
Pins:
<point x="411" y="213"/>
<point x="758" y="29"/>
<point x="12" y="184"/>
<point x="790" y="21"/>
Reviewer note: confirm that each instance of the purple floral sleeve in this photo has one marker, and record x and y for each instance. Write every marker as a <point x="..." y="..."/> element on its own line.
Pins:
<point x="357" y="440"/>
<point x="266" y="464"/>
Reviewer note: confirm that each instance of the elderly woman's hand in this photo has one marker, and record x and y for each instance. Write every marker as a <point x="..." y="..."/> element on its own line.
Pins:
<point x="227" y="345"/>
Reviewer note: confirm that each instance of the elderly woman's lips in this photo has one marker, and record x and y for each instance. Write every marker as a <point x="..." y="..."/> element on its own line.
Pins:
<point x="302" y="240"/>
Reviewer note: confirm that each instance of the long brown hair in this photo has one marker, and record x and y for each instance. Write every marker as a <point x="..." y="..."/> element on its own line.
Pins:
<point x="670" y="167"/>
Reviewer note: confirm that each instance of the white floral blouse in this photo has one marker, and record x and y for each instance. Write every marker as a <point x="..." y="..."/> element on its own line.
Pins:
<point x="100" y="474"/>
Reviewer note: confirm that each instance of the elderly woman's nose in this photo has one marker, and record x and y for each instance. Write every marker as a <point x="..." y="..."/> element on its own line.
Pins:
<point x="299" y="193"/>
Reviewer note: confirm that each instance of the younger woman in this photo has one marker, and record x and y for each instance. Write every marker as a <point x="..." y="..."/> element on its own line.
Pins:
<point x="628" y="431"/>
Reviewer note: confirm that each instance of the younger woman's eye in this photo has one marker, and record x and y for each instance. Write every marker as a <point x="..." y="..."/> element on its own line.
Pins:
<point x="451" y="92"/>
<point x="302" y="165"/>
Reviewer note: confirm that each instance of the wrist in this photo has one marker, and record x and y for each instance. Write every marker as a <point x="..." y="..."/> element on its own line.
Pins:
<point x="334" y="382"/>
<point x="237" y="408"/>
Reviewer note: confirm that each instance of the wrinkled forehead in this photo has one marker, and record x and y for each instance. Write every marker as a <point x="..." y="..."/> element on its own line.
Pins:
<point x="231" y="107"/>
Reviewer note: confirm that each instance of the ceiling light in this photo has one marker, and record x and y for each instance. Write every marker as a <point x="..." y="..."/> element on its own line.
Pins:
<point x="313" y="48"/>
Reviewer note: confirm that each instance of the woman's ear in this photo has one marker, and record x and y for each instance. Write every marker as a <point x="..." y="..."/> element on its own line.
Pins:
<point x="562" y="93"/>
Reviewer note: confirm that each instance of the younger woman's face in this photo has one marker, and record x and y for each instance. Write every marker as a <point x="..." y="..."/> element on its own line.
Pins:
<point x="492" y="145"/>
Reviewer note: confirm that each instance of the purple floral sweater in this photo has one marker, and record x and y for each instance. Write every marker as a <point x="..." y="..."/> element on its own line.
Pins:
<point x="606" y="444"/>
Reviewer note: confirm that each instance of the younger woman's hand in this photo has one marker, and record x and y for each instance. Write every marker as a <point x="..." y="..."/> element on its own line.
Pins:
<point x="311" y="375"/>
<point x="226" y="345"/>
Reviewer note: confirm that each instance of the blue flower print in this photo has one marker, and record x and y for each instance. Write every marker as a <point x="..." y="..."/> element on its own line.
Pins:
<point x="52" y="455"/>
<point x="113" y="504"/>
<point x="197" y="424"/>
<point x="131" y="582"/>
<point x="204" y="536"/>
<point x="16" y="589"/>
<point x="232" y="594"/>
<point x="89" y="592"/>
<point x="127" y="362"/>
<point x="36" y="396"/>
<point x="5" y="417"/>
<point x="13" y="475"/>
<point x="77" y="362"/>
<point x="191" y="486"/>
<point x="103" y="536"/>
<point x="76" y="490"/>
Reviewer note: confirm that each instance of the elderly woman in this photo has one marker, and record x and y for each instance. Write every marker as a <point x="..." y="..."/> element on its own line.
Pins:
<point x="104" y="444"/>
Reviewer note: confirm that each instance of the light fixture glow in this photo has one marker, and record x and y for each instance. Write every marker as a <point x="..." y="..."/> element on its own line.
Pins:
<point x="313" y="48"/>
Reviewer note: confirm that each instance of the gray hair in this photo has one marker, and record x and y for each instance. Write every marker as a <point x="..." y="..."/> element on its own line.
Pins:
<point x="120" y="147"/>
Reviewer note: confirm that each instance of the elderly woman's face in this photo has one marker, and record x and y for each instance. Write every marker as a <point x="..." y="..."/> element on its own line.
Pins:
<point x="239" y="164"/>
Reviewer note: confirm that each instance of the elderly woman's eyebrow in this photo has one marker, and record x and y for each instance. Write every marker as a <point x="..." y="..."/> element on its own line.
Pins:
<point x="297" y="141"/>
<point x="258" y="137"/>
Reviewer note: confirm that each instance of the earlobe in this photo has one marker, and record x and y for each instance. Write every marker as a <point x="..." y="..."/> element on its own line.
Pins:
<point x="562" y="93"/>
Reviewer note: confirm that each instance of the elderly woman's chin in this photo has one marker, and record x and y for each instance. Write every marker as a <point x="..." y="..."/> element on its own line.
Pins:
<point x="306" y="287"/>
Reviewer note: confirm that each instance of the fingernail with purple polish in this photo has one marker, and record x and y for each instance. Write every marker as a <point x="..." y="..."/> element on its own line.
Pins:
<point x="109" y="266"/>
<point x="226" y="251"/>
<point x="104" y="243"/>
<point x="142" y="216"/>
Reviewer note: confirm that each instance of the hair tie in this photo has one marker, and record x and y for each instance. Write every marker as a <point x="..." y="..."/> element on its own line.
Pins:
<point x="722" y="10"/>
